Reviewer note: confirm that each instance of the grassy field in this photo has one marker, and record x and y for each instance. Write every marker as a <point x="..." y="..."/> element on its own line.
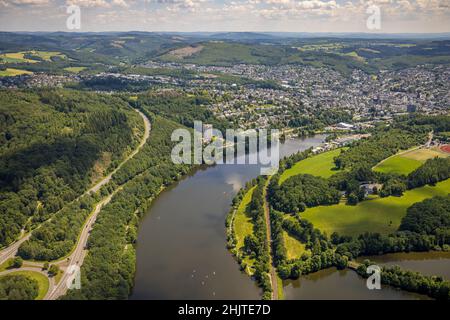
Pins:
<point x="407" y="162"/>
<point x="381" y="215"/>
<point x="294" y="248"/>
<point x="19" y="57"/>
<point x="319" y="165"/>
<point x="243" y="224"/>
<point x="10" y="72"/>
<point x="15" y="57"/>
<point x="5" y="265"/>
<point x="75" y="69"/>
<point x="42" y="281"/>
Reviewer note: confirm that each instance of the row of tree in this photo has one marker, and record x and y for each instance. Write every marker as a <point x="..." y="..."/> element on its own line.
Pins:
<point x="256" y="244"/>
<point x="382" y="144"/>
<point x="435" y="287"/>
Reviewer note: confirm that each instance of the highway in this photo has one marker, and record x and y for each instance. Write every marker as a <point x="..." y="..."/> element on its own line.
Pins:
<point x="79" y="253"/>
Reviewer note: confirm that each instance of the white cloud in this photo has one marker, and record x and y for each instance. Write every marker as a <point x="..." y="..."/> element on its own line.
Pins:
<point x="120" y="3"/>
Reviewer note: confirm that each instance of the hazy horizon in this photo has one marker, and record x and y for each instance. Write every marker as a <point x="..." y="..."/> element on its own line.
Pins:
<point x="315" y="16"/>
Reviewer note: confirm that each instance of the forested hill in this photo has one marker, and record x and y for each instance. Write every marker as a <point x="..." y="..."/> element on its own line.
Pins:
<point x="53" y="145"/>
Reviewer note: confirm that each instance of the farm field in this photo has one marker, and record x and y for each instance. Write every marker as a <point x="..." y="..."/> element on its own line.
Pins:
<point x="406" y="162"/>
<point x="243" y="224"/>
<point x="19" y="57"/>
<point x="319" y="165"/>
<point x="10" y="72"/>
<point x="381" y="215"/>
<point x="15" y="57"/>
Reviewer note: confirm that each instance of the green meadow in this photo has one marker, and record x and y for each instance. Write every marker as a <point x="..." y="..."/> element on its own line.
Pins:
<point x="294" y="248"/>
<point x="243" y="224"/>
<point x="321" y="165"/>
<point x="381" y="215"/>
<point x="398" y="164"/>
<point x="407" y="162"/>
<point x="19" y="57"/>
<point x="10" y="72"/>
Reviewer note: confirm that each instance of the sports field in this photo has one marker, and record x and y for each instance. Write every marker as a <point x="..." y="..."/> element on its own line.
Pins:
<point x="381" y="215"/>
<point x="408" y="161"/>
<point x="321" y="165"/>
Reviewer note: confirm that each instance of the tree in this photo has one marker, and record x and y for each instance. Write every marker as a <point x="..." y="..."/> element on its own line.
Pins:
<point x="53" y="270"/>
<point x="17" y="262"/>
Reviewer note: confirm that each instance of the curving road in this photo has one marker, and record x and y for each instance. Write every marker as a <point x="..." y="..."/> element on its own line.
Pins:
<point x="79" y="253"/>
<point x="106" y="179"/>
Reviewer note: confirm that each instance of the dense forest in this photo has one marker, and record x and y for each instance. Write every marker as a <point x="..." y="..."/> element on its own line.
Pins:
<point x="108" y="270"/>
<point x="56" y="237"/>
<point x="18" y="287"/>
<point x="432" y="171"/>
<point x="302" y="191"/>
<point x="182" y="108"/>
<point x="382" y="144"/>
<point x="54" y="143"/>
<point x="431" y="216"/>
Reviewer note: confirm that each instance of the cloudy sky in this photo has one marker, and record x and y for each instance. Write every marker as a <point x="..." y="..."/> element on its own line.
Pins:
<point x="228" y="15"/>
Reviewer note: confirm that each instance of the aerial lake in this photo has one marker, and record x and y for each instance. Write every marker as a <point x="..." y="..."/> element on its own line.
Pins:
<point x="181" y="251"/>
<point x="182" y="254"/>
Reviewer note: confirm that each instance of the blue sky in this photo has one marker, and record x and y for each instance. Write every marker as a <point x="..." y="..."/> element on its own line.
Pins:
<point x="226" y="15"/>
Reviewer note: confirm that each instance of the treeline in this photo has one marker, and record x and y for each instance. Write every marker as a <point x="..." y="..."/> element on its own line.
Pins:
<point x="301" y="191"/>
<point x="435" y="287"/>
<point x="322" y="253"/>
<point x="231" y="237"/>
<point x="18" y="287"/>
<point x="180" y="107"/>
<point x="432" y="171"/>
<point x="108" y="270"/>
<point x="381" y="145"/>
<point x="50" y="142"/>
<point x="56" y="237"/>
<point x="256" y="244"/>
<point x="425" y="227"/>
<point x="439" y="123"/>
<point x="431" y="217"/>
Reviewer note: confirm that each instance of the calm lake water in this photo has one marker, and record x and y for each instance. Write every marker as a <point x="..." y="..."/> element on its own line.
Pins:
<point x="428" y="263"/>
<point x="181" y="252"/>
<point x="333" y="284"/>
<point x="347" y="285"/>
